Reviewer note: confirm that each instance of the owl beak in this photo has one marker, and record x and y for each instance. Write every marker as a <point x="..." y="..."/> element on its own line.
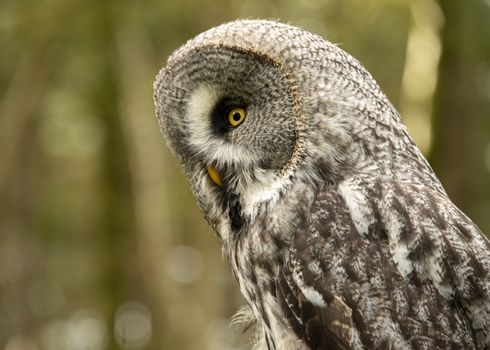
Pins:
<point x="214" y="175"/>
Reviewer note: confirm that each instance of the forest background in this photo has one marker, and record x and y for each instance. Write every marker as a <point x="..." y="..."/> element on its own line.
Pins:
<point x="101" y="244"/>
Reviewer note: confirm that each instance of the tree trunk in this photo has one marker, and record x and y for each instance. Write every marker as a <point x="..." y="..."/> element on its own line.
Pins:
<point x="461" y="115"/>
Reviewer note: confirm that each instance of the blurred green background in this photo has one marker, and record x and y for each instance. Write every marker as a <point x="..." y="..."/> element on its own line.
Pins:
<point x="101" y="243"/>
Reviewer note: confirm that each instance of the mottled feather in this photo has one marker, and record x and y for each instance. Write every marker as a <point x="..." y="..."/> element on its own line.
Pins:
<point x="337" y="230"/>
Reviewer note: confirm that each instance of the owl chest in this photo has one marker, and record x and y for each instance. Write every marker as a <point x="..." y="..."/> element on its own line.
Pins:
<point x="256" y="276"/>
<point x="255" y="263"/>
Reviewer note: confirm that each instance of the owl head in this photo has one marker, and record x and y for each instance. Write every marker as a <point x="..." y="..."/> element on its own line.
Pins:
<point x="252" y="107"/>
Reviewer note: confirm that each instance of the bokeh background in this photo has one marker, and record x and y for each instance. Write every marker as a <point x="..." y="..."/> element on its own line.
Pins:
<point x="101" y="244"/>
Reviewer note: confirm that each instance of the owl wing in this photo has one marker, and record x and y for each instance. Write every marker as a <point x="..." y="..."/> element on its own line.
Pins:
<point x="326" y="326"/>
<point x="387" y="265"/>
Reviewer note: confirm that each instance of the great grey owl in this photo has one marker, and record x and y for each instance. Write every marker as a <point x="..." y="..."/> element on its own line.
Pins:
<point x="336" y="228"/>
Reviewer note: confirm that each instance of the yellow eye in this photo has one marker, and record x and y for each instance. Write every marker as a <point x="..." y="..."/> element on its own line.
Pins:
<point x="235" y="116"/>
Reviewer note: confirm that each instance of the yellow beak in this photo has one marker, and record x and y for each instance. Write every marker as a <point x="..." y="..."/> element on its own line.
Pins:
<point x="214" y="175"/>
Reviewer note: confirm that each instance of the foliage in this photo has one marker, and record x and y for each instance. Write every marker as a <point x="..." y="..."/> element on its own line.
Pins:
<point x="102" y="246"/>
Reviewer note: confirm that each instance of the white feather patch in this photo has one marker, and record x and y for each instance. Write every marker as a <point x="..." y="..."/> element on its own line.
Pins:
<point x="313" y="296"/>
<point x="398" y="249"/>
<point x="266" y="189"/>
<point x="359" y="208"/>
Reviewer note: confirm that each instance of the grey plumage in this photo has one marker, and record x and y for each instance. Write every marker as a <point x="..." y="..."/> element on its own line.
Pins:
<point x="337" y="230"/>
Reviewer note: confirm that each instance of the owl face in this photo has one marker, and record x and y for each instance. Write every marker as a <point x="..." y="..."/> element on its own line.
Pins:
<point x="231" y="109"/>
